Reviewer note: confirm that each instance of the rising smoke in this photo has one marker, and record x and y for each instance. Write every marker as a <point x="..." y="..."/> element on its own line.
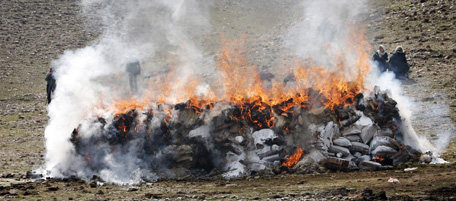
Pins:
<point x="412" y="110"/>
<point x="91" y="78"/>
<point x="324" y="33"/>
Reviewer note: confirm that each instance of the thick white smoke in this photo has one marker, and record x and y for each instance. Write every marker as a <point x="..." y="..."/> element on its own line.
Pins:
<point x="409" y="111"/>
<point x="324" y="33"/>
<point x="387" y="81"/>
<point x="91" y="77"/>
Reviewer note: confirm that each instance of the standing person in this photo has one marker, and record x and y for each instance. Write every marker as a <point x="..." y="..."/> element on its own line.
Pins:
<point x="398" y="64"/>
<point x="133" y="69"/>
<point x="381" y="58"/>
<point x="266" y="77"/>
<point x="50" y="87"/>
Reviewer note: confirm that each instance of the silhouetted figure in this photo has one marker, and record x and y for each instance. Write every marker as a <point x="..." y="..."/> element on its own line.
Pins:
<point x="289" y="78"/>
<point x="398" y="64"/>
<point x="266" y="77"/>
<point x="50" y="87"/>
<point x="381" y="58"/>
<point x="133" y="69"/>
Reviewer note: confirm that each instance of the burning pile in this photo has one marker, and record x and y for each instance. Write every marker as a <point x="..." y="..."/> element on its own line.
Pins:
<point x="199" y="115"/>
<point x="317" y="119"/>
<point x="233" y="139"/>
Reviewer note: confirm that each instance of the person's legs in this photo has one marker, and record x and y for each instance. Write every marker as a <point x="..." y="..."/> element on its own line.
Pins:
<point x="133" y="84"/>
<point x="49" y="92"/>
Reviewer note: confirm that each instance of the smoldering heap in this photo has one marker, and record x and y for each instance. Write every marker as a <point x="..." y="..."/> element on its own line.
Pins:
<point x="232" y="140"/>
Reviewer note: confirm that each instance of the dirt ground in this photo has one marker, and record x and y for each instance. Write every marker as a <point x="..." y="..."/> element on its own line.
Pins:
<point x="34" y="32"/>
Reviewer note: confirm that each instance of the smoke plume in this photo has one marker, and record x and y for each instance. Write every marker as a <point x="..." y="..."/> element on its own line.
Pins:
<point x="92" y="77"/>
<point x="324" y="35"/>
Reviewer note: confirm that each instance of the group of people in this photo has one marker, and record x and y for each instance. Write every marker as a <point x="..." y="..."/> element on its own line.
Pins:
<point x="397" y="63"/>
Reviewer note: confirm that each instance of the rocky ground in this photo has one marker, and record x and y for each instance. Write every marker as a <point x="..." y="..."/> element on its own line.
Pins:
<point x="434" y="182"/>
<point x="34" y="32"/>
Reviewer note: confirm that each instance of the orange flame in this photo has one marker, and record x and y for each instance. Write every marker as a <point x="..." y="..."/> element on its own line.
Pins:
<point x="378" y="158"/>
<point x="239" y="83"/>
<point x="293" y="159"/>
<point x="125" y="105"/>
<point x="122" y="127"/>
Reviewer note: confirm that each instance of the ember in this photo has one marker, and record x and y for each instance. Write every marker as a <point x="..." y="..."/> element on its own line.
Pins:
<point x="378" y="158"/>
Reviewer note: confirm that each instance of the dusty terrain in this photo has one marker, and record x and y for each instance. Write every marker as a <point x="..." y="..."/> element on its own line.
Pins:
<point x="34" y="32"/>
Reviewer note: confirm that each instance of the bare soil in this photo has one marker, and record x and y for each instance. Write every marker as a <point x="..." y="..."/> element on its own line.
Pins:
<point x="427" y="182"/>
<point x="34" y="32"/>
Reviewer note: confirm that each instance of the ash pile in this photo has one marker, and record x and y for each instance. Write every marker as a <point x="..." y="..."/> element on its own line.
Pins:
<point x="234" y="140"/>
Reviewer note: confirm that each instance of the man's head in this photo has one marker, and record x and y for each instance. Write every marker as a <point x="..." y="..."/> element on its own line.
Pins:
<point x="381" y="48"/>
<point x="51" y="69"/>
<point x="399" y="49"/>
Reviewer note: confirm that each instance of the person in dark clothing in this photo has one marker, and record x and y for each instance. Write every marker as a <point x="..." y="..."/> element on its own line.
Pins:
<point x="398" y="64"/>
<point x="289" y="78"/>
<point x="133" y="69"/>
<point x="50" y="87"/>
<point x="266" y="77"/>
<point x="381" y="58"/>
